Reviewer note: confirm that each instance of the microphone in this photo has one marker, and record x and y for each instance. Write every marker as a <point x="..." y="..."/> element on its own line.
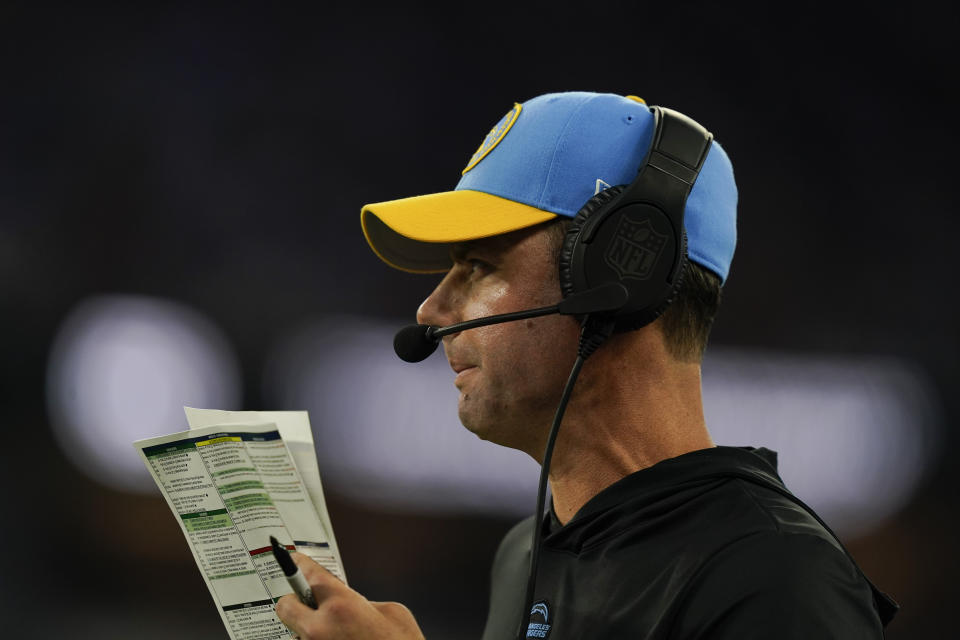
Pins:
<point x="416" y="342"/>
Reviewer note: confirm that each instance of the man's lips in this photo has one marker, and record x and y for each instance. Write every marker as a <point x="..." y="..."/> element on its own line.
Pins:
<point x="462" y="370"/>
<point x="460" y="366"/>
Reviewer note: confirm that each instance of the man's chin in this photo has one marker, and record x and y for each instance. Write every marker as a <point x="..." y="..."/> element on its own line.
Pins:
<point x="471" y="424"/>
<point x="491" y="431"/>
<point x="475" y="425"/>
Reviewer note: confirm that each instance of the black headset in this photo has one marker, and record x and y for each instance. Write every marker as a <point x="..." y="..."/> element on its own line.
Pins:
<point x="634" y="234"/>
<point x="625" y="252"/>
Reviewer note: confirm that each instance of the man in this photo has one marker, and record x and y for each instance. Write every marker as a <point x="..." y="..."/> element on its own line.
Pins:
<point x="653" y="531"/>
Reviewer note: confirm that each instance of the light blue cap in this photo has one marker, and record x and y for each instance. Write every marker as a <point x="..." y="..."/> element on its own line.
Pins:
<point x="550" y="155"/>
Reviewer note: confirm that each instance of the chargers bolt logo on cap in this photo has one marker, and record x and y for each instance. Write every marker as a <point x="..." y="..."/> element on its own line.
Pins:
<point x="494" y="137"/>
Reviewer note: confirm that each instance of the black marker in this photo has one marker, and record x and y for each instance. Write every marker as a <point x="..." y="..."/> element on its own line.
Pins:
<point x="297" y="582"/>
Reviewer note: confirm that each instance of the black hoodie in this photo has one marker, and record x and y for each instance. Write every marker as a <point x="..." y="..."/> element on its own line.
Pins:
<point x="709" y="544"/>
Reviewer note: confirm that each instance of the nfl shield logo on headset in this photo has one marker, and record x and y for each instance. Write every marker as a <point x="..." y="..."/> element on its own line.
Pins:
<point x="635" y="249"/>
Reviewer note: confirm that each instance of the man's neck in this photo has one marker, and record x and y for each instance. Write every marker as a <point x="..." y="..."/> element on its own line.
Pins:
<point x="623" y="419"/>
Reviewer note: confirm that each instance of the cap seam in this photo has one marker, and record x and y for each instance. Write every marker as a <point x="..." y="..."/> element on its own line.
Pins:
<point x="556" y="150"/>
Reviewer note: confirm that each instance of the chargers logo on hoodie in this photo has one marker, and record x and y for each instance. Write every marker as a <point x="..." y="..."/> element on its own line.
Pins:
<point x="539" y="626"/>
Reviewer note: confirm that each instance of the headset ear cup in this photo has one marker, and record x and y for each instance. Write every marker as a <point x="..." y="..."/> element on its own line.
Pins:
<point x="587" y="211"/>
<point x="594" y="207"/>
<point x="637" y="320"/>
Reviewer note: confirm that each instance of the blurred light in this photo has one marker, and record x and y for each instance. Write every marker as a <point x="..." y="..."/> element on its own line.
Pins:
<point x="122" y="368"/>
<point x="853" y="434"/>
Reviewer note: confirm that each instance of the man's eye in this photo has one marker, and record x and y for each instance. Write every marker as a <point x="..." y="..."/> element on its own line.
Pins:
<point x="478" y="266"/>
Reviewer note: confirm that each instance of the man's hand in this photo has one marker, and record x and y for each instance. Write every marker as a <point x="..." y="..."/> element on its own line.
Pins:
<point x="342" y="613"/>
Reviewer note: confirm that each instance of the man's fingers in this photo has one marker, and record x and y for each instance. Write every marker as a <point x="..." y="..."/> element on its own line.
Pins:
<point x="294" y="614"/>
<point x="323" y="583"/>
<point x="328" y="622"/>
<point x="340" y="617"/>
<point x="342" y="613"/>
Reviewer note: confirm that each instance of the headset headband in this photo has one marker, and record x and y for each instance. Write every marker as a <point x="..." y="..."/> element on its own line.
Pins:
<point x="635" y="234"/>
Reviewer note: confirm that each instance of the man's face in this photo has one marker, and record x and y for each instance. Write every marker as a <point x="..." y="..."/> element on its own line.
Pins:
<point x="510" y="375"/>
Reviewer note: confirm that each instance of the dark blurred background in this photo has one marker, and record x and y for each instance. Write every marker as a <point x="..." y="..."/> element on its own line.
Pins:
<point x="214" y="159"/>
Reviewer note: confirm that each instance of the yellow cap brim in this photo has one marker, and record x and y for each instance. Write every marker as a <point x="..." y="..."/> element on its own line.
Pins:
<point x="415" y="234"/>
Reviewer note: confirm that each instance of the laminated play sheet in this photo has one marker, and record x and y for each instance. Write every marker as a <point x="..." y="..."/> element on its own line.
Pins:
<point x="231" y="486"/>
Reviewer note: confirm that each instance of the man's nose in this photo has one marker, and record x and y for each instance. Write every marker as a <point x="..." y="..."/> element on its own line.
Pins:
<point x="437" y="308"/>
